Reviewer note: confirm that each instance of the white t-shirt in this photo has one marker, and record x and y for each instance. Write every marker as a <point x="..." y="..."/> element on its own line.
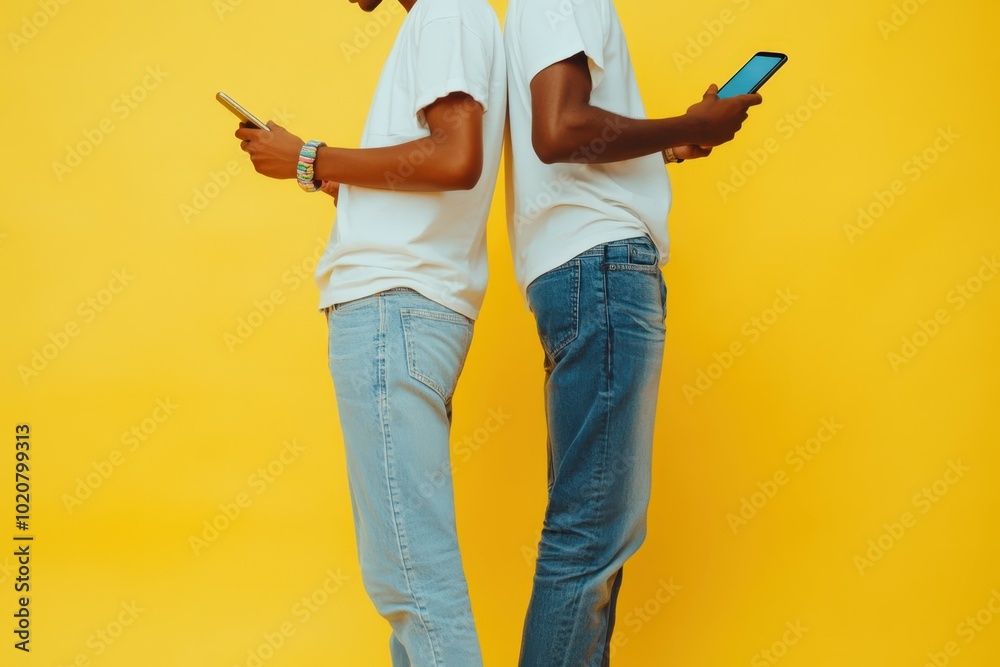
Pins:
<point x="432" y="242"/>
<point x="555" y="212"/>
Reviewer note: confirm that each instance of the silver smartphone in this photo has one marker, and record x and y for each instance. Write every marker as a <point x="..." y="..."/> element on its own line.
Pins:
<point x="240" y="112"/>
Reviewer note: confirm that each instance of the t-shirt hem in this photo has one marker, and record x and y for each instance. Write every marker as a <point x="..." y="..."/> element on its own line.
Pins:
<point x="332" y="296"/>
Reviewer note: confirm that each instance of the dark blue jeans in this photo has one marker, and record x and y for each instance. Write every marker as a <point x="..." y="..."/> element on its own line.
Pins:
<point x="600" y="319"/>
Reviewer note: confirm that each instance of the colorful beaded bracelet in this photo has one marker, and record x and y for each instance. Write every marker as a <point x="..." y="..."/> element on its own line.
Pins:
<point x="304" y="172"/>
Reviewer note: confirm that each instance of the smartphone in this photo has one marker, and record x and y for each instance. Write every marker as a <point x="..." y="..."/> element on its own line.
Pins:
<point x="753" y="75"/>
<point x="240" y="112"/>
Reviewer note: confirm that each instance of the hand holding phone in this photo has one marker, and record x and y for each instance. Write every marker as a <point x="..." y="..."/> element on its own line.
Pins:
<point x="715" y="121"/>
<point x="240" y="112"/>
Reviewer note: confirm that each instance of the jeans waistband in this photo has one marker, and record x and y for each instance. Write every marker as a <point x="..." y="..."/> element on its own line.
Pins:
<point x="603" y="249"/>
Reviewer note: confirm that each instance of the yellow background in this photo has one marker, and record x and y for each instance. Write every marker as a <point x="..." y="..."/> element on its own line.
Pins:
<point x="704" y="590"/>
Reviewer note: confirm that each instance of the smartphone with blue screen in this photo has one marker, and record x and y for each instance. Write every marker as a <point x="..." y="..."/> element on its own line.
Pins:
<point x="752" y="76"/>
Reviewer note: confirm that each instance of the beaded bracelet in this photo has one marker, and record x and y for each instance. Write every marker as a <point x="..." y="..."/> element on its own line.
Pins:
<point x="305" y="172"/>
<point x="670" y="158"/>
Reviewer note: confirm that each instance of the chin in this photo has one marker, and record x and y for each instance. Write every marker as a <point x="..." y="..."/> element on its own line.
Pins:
<point x="369" y="5"/>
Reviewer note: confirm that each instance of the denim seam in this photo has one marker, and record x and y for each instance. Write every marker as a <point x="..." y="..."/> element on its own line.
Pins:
<point x="577" y="268"/>
<point x="609" y="381"/>
<point x="648" y="269"/>
<point x="394" y="500"/>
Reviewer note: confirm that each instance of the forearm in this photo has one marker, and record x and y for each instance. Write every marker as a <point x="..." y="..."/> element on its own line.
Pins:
<point x="590" y="135"/>
<point x="430" y="164"/>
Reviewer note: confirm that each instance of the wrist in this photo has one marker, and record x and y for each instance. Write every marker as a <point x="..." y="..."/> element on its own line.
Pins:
<point x="692" y="129"/>
<point x="305" y="169"/>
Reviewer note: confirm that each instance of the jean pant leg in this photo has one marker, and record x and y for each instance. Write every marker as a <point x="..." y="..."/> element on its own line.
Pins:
<point x="395" y="359"/>
<point x="600" y="318"/>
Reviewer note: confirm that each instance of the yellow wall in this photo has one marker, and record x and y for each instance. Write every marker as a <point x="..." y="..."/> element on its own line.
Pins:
<point x="855" y="430"/>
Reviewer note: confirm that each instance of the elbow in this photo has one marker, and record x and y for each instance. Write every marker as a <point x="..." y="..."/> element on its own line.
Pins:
<point x="469" y="178"/>
<point x="464" y="174"/>
<point x="547" y="146"/>
<point x="556" y="140"/>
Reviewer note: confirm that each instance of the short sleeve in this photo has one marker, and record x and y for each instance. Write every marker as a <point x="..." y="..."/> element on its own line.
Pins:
<point x="450" y="58"/>
<point x="553" y="30"/>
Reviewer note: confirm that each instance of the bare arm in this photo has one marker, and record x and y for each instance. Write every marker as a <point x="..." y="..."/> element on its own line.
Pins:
<point x="567" y="128"/>
<point x="451" y="158"/>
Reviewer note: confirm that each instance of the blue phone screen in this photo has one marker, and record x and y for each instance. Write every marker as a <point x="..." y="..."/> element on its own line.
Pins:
<point x="750" y="75"/>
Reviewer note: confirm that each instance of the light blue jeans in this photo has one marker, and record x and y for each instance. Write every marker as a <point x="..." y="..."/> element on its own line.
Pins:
<point x="395" y="358"/>
<point x="600" y="319"/>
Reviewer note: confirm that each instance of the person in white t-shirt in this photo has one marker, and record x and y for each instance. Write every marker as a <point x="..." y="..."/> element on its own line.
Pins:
<point x="401" y="282"/>
<point x="587" y="205"/>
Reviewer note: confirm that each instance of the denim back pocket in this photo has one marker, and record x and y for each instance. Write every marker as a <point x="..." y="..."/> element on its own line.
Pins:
<point x="554" y="298"/>
<point x="437" y="343"/>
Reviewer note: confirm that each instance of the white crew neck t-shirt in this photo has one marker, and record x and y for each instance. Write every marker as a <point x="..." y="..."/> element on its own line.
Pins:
<point x="557" y="211"/>
<point x="432" y="242"/>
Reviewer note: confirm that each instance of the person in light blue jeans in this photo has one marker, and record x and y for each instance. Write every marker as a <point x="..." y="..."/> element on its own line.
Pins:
<point x="395" y="358"/>
<point x="401" y="281"/>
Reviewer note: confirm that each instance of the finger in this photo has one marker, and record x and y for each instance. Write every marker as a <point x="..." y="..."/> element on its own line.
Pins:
<point x="274" y="126"/>
<point x="713" y="90"/>
<point x="752" y="99"/>
<point x="247" y="133"/>
<point x="245" y="145"/>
